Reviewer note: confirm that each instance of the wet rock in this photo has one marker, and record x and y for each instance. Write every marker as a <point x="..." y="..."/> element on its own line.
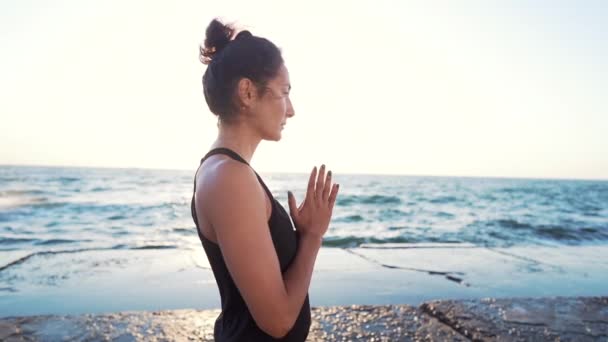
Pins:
<point x="7" y="329"/>
<point x="564" y="319"/>
<point x="174" y="325"/>
<point x="364" y="323"/>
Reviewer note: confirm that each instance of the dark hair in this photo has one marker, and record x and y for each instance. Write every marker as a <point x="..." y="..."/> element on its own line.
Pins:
<point x="229" y="60"/>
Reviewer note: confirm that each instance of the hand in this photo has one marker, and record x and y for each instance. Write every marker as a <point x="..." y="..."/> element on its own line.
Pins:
<point x="314" y="213"/>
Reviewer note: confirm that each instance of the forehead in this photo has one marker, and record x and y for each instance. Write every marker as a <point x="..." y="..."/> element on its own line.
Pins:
<point x="282" y="77"/>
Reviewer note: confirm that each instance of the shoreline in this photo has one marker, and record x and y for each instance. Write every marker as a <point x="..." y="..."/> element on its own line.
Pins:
<point x="555" y="318"/>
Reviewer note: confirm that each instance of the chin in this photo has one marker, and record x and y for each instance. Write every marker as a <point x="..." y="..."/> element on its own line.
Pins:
<point x="274" y="137"/>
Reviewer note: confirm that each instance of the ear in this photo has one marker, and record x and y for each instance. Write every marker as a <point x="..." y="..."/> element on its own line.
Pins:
<point x="247" y="92"/>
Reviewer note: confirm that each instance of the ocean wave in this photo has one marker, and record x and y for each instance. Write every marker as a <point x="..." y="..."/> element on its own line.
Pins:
<point x="65" y="180"/>
<point x="355" y="241"/>
<point x="490" y="233"/>
<point x="154" y="247"/>
<point x="46" y="205"/>
<point x="12" y="202"/>
<point x="14" y="193"/>
<point x="509" y="232"/>
<point x="349" y="219"/>
<point x="117" y="210"/>
<point x="444" y="199"/>
<point x="185" y="231"/>
<point x="368" y="200"/>
<point x="511" y="224"/>
<point x="572" y="235"/>
<point x="443" y="214"/>
<point x="10" y="241"/>
<point x="13" y="179"/>
<point x="51" y="242"/>
<point x="393" y="214"/>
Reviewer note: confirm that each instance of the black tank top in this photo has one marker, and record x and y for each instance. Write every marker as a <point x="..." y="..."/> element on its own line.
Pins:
<point x="235" y="322"/>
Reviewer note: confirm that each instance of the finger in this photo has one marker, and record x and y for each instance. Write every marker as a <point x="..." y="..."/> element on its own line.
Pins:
<point x="310" y="192"/>
<point x="333" y="196"/>
<point x="293" y="210"/>
<point x="327" y="186"/>
<point x="320" y="182"/>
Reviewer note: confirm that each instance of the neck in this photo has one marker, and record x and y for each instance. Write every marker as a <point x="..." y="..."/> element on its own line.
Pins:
<point x="238" y="137"/>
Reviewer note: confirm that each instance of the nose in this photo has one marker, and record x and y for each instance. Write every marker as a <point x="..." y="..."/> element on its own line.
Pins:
<point x="290" y="111"/>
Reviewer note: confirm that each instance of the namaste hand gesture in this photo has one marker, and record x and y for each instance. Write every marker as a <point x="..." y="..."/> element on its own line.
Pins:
<point x="312" y="217"/>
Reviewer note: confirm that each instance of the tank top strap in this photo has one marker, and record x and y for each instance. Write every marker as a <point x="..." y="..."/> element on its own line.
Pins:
<point x="237" y="157"/>
<point x="226" y="151"/>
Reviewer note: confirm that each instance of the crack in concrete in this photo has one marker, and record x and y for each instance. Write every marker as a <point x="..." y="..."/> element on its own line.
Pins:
<point x="117" y="247"/>
<point x="16" y="262"/>
<point x="31" y="255"/>
<point x="448" y="275"/>
<point x="530" y="260"/>
<point x="427" y="309"/>
<point x="25" y="258"/>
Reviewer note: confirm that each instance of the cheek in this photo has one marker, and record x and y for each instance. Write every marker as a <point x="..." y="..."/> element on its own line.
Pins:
<point x="280" y="108"/>
<point x="285" y="104"/>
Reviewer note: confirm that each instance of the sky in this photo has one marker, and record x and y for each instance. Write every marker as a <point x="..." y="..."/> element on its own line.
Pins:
<point x="445" y="88"/>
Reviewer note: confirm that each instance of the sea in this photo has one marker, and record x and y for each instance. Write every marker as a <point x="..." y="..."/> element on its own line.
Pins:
<point x="50" y="208"/>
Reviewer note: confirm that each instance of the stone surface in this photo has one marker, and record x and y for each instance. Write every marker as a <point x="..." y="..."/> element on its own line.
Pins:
<point x="524" y="319"/>
<point x="365" y="322"/>
<point x="7" y="329"/>
<point x="173" y="325"/>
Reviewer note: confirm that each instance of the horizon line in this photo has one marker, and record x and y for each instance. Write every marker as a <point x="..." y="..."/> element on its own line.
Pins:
<point x="305" y="173"/>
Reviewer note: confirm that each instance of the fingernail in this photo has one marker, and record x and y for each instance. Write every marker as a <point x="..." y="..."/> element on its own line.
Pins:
<point x="289" y="193"/>
<point x="329" y="173"/>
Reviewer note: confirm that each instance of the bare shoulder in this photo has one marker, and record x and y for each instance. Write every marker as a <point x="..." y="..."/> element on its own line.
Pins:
<point x="220" y="171"/>
<point x="223" y="184"/>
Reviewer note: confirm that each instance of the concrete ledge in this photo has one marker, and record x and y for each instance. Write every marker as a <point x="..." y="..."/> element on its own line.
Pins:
<point x="74" y="282"/>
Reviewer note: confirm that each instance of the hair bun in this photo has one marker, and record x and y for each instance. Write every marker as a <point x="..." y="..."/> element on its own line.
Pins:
<point x="218" y="35"/>
<point x="243" y="34"/>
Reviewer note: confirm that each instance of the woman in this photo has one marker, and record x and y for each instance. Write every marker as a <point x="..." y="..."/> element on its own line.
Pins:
<point x="261" y="264"/>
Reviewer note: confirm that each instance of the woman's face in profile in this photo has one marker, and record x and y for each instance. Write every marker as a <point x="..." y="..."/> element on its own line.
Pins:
<point x="274" y="106"/>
